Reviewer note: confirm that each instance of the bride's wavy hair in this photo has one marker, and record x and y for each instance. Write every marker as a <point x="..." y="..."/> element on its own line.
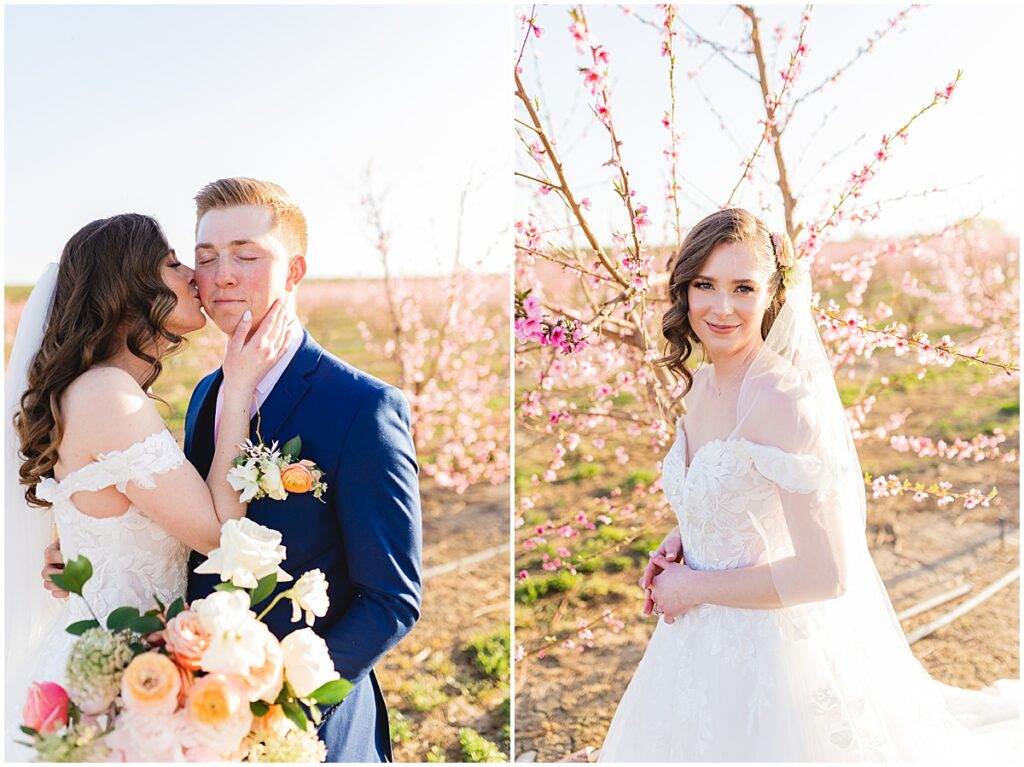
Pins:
<point x="731" y="225"/>
<point x="109" y="294"/>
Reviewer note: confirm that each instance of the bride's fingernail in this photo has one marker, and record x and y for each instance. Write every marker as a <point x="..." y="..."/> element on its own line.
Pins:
<point x="247" y="316"/>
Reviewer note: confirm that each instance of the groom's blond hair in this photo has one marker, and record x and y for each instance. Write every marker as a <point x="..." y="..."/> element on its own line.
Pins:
<point x="232" y="192"/>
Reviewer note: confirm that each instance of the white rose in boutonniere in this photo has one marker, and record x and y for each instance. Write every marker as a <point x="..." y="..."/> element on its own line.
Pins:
<point x="245" y="478"/>
<point x="248" y="551"/>
<point x="270" y="481"/>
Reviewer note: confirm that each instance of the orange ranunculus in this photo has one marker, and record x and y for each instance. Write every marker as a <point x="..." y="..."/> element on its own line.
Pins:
<point x="214" y="700"/>
<point x="297" y="478"/>
<point x="218" y="714"/>
<point x="273" y="724"/>
<point x="151" y="684"/>
<point x="186" y="639"/>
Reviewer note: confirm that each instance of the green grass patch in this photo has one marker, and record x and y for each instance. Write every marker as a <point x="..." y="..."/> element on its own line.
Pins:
<point x="424" y="693"/>
<point x="535" y="587"/>
<point x="476" y="748"/>
<point x="639" y="477"/>
<point x="436" y="754"/>
<point x="401" y="728"/>
<point x="490" y="654"/>
<point x="585" y="471"/>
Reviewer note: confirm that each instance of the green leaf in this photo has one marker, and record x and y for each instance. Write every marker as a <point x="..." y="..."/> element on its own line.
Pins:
<point x="332" y="692"/>
<point x="286" y="694"/>
<point x="294" y="712"/>
<point x="159" y="604"/>
<point x="263" y="589"/>
<point x="80" y="627"/>
<point x="258" y="708"/>
<point x="121" y="617"/>
<point x="317" y="716"/>
<point x="225" y="586"/>
<point x="292" y="448"/>
<point x="76" y="573"/>
<point x="29" y="731"/>
<point x="176" y="607"/>
<point x="146" y="624"/>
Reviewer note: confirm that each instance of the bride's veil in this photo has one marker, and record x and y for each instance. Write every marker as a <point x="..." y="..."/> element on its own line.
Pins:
<point x="790" y="413"/>
<point x="29" y="610"/>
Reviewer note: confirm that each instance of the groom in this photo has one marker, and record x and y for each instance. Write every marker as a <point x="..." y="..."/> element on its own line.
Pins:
<point x="366" y="539"/>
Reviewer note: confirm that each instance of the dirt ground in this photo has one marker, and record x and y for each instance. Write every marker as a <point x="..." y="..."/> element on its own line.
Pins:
<point x="429" y="680"/>
<point x="565" y="701"/>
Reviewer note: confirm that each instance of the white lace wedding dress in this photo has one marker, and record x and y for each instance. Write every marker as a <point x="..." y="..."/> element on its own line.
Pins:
<point x="133" y="559"/>
<point x="792" y="684"/>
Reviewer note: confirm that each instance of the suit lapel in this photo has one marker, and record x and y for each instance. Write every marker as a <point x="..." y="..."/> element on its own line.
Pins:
<point x="287" y="392"/>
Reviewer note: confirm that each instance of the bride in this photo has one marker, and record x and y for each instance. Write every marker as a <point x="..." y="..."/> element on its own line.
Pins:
<point x="87" y="451"/>
<point x="777" y="639"/>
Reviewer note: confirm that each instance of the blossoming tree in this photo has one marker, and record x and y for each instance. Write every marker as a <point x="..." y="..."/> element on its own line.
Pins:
<point x="589" y="297"/>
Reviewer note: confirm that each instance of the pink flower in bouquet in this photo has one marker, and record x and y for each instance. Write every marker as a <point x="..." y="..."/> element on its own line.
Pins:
<point x="218" y="713"/>
<point x="151" y="684"/>
<point x="186" y="639"/>
<point x="142" y="736"/>
<point x="46" y="709"/>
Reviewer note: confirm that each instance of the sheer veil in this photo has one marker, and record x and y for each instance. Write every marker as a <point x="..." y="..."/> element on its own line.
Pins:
<point x="29" y="610"/>
<point x="790" y="413"/>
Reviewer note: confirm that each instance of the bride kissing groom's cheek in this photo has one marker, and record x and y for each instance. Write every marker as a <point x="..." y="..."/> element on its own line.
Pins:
<point x="343" y="502"/>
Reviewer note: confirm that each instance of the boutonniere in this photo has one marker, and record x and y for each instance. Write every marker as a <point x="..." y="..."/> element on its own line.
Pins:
<point x="266" y="472"/>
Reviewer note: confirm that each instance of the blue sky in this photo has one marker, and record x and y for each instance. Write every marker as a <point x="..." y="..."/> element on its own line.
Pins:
<point x="969" y="145"/>
<point x="133" y="108"/>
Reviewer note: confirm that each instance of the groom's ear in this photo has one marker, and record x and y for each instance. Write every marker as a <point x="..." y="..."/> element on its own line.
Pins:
<point x="296" y="272"/>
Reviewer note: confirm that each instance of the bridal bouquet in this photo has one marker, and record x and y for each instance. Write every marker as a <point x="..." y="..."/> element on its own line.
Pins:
<point x="201" y="682"/>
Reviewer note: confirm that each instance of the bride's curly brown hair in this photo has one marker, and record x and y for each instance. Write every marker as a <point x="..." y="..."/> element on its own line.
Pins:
<point x="109" y="294"/>
<point x="731" y="225"/>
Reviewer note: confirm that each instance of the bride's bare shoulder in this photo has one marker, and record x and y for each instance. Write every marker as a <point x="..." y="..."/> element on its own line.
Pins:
<point x="104" y="407"/>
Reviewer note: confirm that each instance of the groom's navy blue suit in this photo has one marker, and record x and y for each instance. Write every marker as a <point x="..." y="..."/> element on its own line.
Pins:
<point x="366" y="538"/>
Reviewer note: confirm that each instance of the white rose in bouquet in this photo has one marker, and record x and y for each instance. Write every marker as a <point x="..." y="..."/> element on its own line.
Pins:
<point x="310" y="594"/>
<point x="248" y="551"/>
<point x="307" y="662"/>
<point x="237" y="640"/>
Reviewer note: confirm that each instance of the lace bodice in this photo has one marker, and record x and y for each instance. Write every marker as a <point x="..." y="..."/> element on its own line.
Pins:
<point x="133" y="558"/>
<point x="727" y="501"/>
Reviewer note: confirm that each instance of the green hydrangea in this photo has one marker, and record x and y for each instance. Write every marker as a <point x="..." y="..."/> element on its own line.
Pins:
<point x="294" y="746"/>
<point x="76" y="743"/>
<point x="97" y="661"/>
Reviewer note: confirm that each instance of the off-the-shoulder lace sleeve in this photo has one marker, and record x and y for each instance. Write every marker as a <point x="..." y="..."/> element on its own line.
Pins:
<point x="139" y="463"/>
<point x="795" y="472"/>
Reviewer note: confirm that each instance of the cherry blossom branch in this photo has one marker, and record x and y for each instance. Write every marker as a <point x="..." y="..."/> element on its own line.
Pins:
<point x="859" y="178"/>
<point x="770" y="133"/>
<point x="873" y="40"/>
<point x="945" y="351"/>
